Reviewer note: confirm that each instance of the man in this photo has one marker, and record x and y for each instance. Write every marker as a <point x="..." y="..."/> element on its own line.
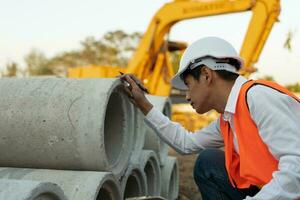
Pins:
<point x="259" y="127"/>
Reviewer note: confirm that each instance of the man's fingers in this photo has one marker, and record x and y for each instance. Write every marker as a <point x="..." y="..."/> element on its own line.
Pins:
<point x="127" y="83"/>
<point x="138" y="82"/>
<point x="134" y="78"/>
<point x="122" y="77"/>
<point x="128" y="92"/>
<point x="131" y="82"/>
<point x="134" y="82"/>
<point x="130" y="95"/>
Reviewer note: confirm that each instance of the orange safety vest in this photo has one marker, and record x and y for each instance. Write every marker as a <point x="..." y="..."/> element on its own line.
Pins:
<point x="254" y="164"/>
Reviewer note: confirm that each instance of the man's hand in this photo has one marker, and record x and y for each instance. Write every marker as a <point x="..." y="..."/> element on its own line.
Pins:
<point x="136" y="94"/>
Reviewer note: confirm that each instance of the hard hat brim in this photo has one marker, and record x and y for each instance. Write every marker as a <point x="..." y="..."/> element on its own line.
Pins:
<point x="178" y="83"/>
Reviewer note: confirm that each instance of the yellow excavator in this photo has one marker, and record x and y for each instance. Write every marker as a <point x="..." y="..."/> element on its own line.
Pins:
<point x="151" y="61"/>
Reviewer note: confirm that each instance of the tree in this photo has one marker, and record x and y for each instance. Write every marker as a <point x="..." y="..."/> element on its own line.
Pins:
<point x="267" y="78"/>
<point x="293" y="87"/>
<point x="288" y="42"/>
<point x="62" y="61"/>
<point x="122" y="45"/>
<point x="114" y="49"/>
<point x="37" y="64"/>
<point x="11" y="69"/>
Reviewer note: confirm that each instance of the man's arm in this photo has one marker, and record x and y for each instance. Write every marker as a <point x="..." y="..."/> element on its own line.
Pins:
<point x="179" y="138"/>
<point x="173" y="133"/>
<point x="277" y="117"/>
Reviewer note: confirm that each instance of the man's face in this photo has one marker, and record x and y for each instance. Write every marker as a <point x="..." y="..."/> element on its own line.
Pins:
<point x="197" y="93"/>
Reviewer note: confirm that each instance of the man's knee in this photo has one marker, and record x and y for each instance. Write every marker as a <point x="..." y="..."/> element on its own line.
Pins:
<point x="207" y="160"/>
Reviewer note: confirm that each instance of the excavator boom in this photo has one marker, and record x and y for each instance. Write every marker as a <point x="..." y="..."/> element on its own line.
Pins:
<point x="151" y="61"/>
<point x="265" y="13"/>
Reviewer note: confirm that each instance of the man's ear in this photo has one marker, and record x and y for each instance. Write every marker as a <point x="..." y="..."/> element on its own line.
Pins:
<point x="206" y="74"/>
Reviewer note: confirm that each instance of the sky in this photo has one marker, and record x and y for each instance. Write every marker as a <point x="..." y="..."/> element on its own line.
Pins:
<point x="53" y="26"/>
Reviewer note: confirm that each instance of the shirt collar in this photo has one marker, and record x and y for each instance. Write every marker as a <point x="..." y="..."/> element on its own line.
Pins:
<point x="234" y="93"/>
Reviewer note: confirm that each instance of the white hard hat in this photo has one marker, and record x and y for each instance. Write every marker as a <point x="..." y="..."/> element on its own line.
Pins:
<point x="202" y="52"/>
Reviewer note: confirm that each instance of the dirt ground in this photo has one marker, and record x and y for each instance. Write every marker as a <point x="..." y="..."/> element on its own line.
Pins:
<point x="187" y="188"/>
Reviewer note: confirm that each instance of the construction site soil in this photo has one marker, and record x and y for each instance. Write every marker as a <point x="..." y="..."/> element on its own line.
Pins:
<point x="187" y="187"/>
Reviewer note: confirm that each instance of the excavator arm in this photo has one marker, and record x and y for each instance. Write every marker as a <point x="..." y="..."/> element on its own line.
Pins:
<point x="151" y="61"/>
<point x="150" y="58"/>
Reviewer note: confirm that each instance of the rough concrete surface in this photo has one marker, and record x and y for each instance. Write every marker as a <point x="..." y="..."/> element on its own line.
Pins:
<point x="150" y="166"/>
<point x="152" y="141"/>
<point x="29" y="190"/>
<point x="133" y="183"/>
<point x="58" y="123"/>
<point x="188" y="189"/>
<point x="77" y="185"/>
<point x="170" y="179"/>
<point x="139" y="131"/>
<point x="51" y="127"/>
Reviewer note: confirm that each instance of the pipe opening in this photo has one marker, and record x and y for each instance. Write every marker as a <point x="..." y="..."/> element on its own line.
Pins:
<point x="104" y="194"/>
<point x="132" y="188"/>
<point x="173" y="184"/>
<point x="150" y="174"/>
<point x="114" y="127"/>
<point x="47" y="196"/>
<point x="108" y="191"/>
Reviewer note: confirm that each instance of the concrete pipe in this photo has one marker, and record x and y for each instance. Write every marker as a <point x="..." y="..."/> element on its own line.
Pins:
<point x="77" y="185"/>
<point x="29" y="190"/>
<point x="133" y="182"/>
<point x="58" y="123"/>
<point x="149" y="163"/>
<point x="170" y="179"/>
<point x="139" y="131"/>
<point x="152" y="141"/>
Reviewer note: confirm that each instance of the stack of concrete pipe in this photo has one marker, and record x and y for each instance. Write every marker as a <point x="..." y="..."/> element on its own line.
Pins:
<point x="79" y="139"/>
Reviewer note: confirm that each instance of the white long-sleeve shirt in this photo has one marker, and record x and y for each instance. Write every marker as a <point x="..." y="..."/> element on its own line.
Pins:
<point x="277" y="117"/>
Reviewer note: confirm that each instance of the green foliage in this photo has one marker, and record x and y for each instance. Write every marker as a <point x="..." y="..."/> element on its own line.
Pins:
<point x="37" y="64"/>
<point x="293" y="87"/>
<point x="11" y="69"/>
<point x="267" y="78"/>
<point x="288" y="41"/>
<point x="114" y="49"/>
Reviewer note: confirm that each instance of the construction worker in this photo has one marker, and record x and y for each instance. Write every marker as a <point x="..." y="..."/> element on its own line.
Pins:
<point x="259" y="126"/>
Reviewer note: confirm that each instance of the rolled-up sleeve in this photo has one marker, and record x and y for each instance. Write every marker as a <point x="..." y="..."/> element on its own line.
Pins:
<point x="179" y="138"/>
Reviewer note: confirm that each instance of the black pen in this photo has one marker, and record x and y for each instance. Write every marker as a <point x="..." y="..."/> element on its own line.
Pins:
<point x="139" y="84"/>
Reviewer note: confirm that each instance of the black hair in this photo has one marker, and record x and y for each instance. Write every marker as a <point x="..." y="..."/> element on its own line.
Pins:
<point x="226" y="75"/>
<point x="195" y="73"/>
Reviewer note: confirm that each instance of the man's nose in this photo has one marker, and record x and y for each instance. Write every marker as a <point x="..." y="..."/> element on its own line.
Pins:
<point x="187" y="96"/>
